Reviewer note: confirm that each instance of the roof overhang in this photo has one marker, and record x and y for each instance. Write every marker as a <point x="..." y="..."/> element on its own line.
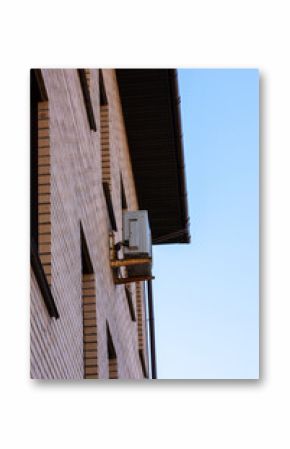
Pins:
<point x="151" y="107"/>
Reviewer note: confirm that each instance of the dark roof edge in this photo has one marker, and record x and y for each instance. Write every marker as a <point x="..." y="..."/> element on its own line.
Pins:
<point x="175" y="99"/>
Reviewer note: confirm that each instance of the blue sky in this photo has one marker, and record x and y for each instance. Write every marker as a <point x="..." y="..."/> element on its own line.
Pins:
<point x="206" y="294"/>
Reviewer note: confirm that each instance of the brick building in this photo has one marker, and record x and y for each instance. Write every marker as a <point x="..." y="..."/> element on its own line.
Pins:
<point x="102" y="142"/>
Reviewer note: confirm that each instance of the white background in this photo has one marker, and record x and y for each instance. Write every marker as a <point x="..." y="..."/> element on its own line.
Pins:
<point x="207" y="414"/>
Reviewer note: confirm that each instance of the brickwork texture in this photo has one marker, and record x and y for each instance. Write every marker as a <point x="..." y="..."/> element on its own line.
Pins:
<point x="74" y="166"/>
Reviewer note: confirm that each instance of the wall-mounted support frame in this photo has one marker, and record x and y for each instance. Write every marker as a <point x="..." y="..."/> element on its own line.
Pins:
<point x="127" y="262"/>
<point x="130" y="279"/>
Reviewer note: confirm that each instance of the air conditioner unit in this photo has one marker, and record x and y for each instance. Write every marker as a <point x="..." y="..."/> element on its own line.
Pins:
<point x="137" y="240"/>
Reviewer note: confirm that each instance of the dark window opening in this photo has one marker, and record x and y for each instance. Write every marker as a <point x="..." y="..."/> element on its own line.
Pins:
<point x="123" y="196"/>
<point x="37" y="94"/>
<point x="38" y="250"/>
<point x="102" y="90"/>
<point x="87" y="266"/>
<point x="130" y="303"/>
<point x="143" y="364"/>
<point x="87" y="98"/>
<point x="111" y="347"/>
<point x="110" y="209"/>
<point x="42" y="281"/>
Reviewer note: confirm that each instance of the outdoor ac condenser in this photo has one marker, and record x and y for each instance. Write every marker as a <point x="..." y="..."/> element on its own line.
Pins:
<point x="137" y="239"/>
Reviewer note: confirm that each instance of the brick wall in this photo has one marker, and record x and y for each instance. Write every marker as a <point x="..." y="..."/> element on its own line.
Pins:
<point x="77" y="196"/>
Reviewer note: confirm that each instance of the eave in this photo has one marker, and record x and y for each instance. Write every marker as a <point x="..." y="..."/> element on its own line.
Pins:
<point x="151" y="109"/>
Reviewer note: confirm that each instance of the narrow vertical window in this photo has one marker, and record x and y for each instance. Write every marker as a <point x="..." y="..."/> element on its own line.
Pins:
<point x="91" y="369"/>
<point x="129" y="298"/>
<point x="40" y="229"/>
<point x="103" y="95"/>
<point x="123" y="195"/>
<point x="112" y="356"/>
<point x="35" y="99"/>
<point x="110" y="209"/>
<point x="85" y="79"/>
<point x="105" y="151"/>
<point x="40" y="212"/>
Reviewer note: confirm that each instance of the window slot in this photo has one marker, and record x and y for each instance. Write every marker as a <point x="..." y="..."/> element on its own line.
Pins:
<point x="123" y="196"/>
<point x="102" y="90"/>
<point x="38" y="146"/>
<point x="83" y="76"/>
<point x="40" y="214"/>
<point x="42" y="282"/>
<point x="130" y="303"/>
<point x="110" y="209"/>
<point x="143" y="364"/>
<point x="87" y="266"/>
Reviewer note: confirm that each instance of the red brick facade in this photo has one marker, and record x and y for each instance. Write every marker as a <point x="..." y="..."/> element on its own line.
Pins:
<point x="77" y="167"/>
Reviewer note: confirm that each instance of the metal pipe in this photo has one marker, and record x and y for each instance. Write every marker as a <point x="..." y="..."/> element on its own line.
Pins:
<point x="175" y="98"/>
<point x="152" y="330"/>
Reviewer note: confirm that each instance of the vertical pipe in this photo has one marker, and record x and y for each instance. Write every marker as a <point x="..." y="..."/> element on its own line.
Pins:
<point x="152" y="329"/>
